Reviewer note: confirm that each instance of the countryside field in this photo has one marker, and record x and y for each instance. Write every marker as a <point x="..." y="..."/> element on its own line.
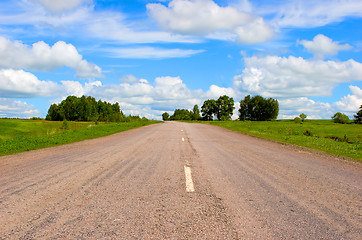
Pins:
<point x="323" y="135"/>
<point x="25" y="135"/>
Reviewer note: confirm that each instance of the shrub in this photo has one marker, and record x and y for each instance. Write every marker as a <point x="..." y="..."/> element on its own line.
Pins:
<point x="340" y="118"/>
<point x="65" y="125"/>
<point x="308" y="133"/>
<point x="297" y="120"/>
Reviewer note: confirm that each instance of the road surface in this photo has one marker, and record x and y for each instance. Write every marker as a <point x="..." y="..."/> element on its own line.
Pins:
<point x="179" y="181"/>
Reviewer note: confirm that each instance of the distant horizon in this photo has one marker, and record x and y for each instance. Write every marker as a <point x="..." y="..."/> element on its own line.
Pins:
<point x="156" y="56"/>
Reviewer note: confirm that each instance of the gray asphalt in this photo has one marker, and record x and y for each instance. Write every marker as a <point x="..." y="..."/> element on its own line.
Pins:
<point x="132" y="185"/>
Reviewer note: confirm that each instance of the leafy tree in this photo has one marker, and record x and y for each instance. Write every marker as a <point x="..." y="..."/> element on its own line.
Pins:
<point x="196" y="113"/>
<point x="208" y="109"/>
<point x="258" y="108"/>
<point x="53" y="113"/>
<point x="85" y="109"/>
<point x="165" y="116"/>
<point x="340" y="118"/>
<point x="181" y="114"/>
<point x="358" y="116"/>
<point x="302" y="116"/>
<point x="224" y="108"/>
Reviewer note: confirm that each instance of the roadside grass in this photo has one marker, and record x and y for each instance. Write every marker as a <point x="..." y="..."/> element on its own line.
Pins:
<point x="25" y="135"/>
<point x="323" y="135"/>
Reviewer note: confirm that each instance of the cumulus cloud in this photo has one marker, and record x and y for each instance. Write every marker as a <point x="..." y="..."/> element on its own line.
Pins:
<point x="60" y="6"/>
<point x="151" y="52"/>
<point x="274" y="76"/>
<point x="17" y="109"/>
<point x="42" y="57"/>
<point x="21" y="84"/>
<point x="292" y="107"/>
<point x="216" y="91"/>
<point x="203" y="17"/>
<point x="350" y="104"/>
<point x="323" y="46"/>
<point x="139" y="96"/>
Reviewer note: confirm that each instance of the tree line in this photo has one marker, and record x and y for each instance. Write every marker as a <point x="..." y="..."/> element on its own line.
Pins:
<point x="87" y="108"/>
<point x="254" y="108"/>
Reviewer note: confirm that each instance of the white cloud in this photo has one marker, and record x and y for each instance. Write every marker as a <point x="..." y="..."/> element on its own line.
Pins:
<point x="17" y="109"/>
<point x="112" y="25"/>
<point x="129" y="79"/>
<point x="139" y="96"/>
<point x="21" y="84"/>
<point x="45" y="58"/>
<point x="276" y="77"/>
<point x="351" y="103"/>
<point x="83" y="21"/>
<point x="59" y="6"/>
<point x="73" y="88"/>
<point x="311" y="13"/>
<point x="323" y="46"/>
<point x="292" y="107"/>
<point x="203" y="17"/>
<point x="151" y="52"/>
<point x="215" y="92"/>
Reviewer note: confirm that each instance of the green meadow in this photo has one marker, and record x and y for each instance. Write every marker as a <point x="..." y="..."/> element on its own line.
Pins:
<point x="323" y="135"/>
<point x="25" y="135"/>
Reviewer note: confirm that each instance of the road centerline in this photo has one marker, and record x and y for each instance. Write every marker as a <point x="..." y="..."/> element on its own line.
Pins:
<point x="189" y="182"/>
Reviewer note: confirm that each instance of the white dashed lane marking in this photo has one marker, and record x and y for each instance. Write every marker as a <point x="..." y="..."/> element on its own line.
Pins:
<point x="189" y="182"/>
<point x="183" y="139"/>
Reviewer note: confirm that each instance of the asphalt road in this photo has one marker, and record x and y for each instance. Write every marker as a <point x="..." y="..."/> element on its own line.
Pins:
<point x="179" y="181"/>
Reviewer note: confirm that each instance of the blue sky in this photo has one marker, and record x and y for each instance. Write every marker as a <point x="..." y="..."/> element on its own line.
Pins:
<point x="155" y="56"/>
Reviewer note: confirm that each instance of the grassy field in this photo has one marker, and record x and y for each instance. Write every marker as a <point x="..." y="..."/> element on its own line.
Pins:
<point x="25" y="135"/>
<point x="324" y="135"/>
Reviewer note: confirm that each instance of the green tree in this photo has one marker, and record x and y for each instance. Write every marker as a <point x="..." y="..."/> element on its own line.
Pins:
<point x="196" y="113"/>
<point x="53" y="114"/>
<point x="302" y="116"/>
<point x="340" y="118"/>
<point x="165" y="116"/>
<point x="358" y="116"/>
<point x="258" y="108"/>
<point x="208" y="109"/>
<point x="86" y="109"/>
<point x="224" y="108"/>
<point x="181" y="114"/>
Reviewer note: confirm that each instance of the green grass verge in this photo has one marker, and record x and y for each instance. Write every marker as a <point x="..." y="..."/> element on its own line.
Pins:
<point x="25" y="135"/>
<point x="323" y="135"/>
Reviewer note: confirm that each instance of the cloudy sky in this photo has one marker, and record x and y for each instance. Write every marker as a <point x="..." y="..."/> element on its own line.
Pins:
<point x="154" y="56"/>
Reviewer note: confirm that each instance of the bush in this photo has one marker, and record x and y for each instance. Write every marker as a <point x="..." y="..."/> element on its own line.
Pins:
<point x="340" y="118"/>
<point x="297" y="120"/>
<point x="308" y="133"/>
<point x="65" y="125"/>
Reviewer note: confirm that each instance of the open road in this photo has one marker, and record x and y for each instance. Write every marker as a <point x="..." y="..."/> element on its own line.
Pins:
<point x="179" y="181"/>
